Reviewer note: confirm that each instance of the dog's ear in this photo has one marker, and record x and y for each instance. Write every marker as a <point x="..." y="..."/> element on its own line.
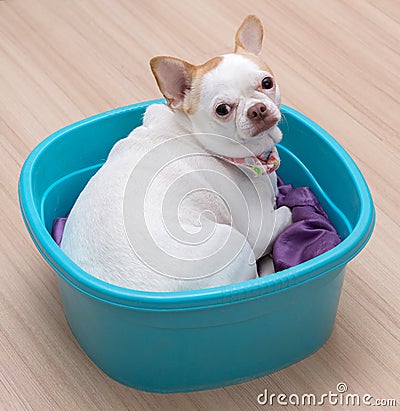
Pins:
<point x="249" y="36"/>
<point x="174" y="78"/>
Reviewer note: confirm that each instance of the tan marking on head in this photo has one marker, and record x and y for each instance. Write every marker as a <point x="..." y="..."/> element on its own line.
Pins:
<point x="257" y="60"/>
<point x="208" y="66"/>
<point x="199" y="73"/>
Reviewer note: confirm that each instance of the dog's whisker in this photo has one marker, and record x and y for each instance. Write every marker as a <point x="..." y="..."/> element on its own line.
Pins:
<point x="285" y="120"/>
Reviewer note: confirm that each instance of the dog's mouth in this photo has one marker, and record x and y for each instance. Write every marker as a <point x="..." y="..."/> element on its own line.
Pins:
<point x="258" y="129"/>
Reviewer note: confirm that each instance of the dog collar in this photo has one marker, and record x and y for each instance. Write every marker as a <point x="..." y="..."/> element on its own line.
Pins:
<point x="263" y="164"/>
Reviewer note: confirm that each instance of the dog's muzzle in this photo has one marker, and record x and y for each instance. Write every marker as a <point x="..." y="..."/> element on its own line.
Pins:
<point x="262" y="118"/>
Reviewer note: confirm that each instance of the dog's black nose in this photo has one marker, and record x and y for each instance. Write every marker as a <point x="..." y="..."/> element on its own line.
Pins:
<point x="257" y="112"/>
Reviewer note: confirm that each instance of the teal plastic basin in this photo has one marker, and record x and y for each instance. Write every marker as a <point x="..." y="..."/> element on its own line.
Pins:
<point x="194" y="340"/>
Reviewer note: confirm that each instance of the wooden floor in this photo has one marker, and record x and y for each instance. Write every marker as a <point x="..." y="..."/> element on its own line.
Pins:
<point x="60" y="61"/>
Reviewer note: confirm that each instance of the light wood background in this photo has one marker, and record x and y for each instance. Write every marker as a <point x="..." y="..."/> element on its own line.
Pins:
<point x="61" y="60"/>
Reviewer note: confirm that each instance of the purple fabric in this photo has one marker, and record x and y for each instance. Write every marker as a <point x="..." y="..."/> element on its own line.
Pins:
<point x="58" y="229"/>
<point x="311" y="233"/>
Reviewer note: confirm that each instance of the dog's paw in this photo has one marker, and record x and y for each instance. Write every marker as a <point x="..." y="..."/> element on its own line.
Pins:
<point x="283" y="217"/>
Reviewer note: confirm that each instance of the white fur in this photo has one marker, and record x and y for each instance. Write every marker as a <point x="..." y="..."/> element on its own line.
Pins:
<point x="236" y="81"/>
<point x="205" y="195"/>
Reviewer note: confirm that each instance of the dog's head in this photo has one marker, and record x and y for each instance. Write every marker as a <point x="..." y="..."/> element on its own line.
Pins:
<point x="234" y="95"/>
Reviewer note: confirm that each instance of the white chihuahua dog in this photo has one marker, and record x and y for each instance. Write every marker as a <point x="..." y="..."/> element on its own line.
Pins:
<point x="187" y="200"/>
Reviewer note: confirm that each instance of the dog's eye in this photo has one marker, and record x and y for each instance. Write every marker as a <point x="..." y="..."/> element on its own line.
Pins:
<point x="267" y="83"/>
<point x="223" y="110"/>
